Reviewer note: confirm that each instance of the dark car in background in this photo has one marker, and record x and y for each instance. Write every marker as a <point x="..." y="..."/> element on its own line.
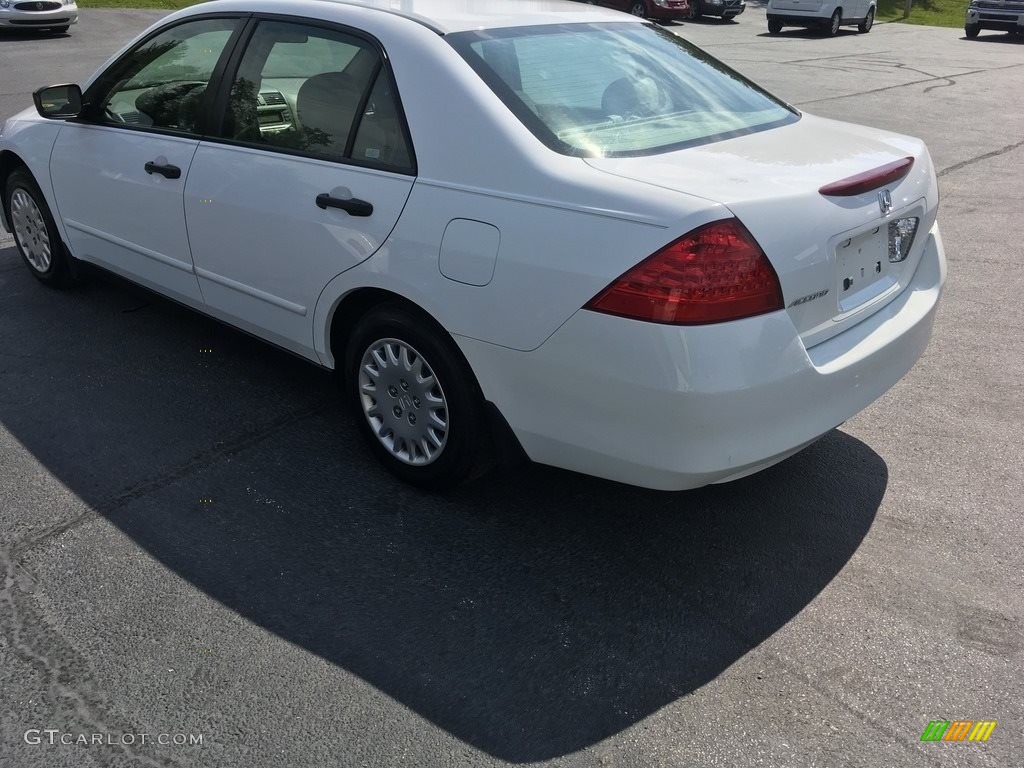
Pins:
<point x="658" y="10"/>
<point x="1005" y="15"/>
<point x="725" y="9"/>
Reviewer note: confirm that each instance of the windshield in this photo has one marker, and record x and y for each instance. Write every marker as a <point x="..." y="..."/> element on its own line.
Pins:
<point x="616" y="89"/>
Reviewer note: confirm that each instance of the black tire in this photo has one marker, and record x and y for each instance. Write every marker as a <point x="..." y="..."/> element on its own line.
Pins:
<point x="639" y="9"/>
<point x="834" y="22"/>
<point x="696" y="10"/>
<point x="774" y="27"/>
<point x="60" y="271"/>
<point x="971" y="30"/>
<point x="467" y="448"/>
<point x="61" y="30"/>
<point x="869" y="21"/>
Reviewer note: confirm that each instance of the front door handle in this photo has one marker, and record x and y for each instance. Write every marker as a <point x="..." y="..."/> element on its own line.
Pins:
<point x="354" y="206"/>
<point x="168" y="171"/>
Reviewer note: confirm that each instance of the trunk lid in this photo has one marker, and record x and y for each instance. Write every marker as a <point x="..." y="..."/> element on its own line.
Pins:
<point x="831" y="253"/>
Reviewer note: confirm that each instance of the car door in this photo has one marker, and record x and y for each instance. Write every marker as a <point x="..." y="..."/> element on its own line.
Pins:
<point x="119" y="171"/>
<point x="308" y="178"/>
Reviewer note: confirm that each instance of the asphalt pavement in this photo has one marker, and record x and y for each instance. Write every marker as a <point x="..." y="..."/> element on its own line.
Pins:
<point x="197" y="543"/>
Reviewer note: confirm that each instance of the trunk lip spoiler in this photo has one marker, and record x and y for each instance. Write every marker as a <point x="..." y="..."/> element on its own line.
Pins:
<point x="867" y="181"/>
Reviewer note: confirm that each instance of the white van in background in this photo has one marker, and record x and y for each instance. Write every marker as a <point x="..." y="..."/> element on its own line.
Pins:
<point x="828" y="15"/>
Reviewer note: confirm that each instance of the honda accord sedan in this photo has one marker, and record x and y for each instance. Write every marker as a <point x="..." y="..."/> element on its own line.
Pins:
<point x="545" y="226"/>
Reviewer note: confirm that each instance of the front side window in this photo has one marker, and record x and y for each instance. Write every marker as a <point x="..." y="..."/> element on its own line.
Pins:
<point x="317" y="91"/>
<point x="162" y="82"/>
<point x="616" y="89"/>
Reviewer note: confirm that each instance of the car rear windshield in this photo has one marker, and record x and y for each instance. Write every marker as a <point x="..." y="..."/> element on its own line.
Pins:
<point x="616" y="89"/>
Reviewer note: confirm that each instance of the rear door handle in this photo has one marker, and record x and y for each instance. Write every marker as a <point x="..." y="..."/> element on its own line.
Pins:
<point x="353" y="205"/>
<point x="168" y="171"/>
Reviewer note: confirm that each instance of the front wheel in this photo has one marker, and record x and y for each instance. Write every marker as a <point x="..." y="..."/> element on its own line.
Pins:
<point x="834" y="23"/>
<point x="638" y="9"/>
<point x="61" y="30"/>
<point x="971" y="30"/>
<point x="868" y="23"/>
<point x="35" y="232"/>
<point x="774" y="27"/>
<point x="416" y="401"/>
<point x="695" y="11"/>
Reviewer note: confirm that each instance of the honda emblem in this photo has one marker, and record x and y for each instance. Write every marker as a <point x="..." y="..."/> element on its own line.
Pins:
<point x="884" y="201"/>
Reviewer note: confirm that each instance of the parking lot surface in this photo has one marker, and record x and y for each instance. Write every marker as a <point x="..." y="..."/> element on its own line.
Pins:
<point x="196" y="542"/>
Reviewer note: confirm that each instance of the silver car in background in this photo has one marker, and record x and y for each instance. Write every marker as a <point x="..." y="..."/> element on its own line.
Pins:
<point x="47" y="15"/>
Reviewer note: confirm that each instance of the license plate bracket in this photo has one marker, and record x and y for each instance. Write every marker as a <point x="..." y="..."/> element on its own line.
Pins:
<point x="863" y="270"/>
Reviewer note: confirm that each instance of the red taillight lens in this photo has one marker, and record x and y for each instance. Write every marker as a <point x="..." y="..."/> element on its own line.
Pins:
<point x="715" y="273"/>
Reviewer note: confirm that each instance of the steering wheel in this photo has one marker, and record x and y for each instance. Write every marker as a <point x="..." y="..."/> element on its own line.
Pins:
<point x="108" y="112"/>
<point x="162" y="104"/>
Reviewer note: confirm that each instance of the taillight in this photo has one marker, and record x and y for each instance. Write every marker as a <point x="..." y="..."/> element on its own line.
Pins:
<point x="715" y="273"/>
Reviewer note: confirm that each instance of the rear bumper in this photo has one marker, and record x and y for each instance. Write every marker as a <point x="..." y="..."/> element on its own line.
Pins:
<point x="659" y="13"/>
<point x="673" y="408"/>
<point x="800" y="18"/>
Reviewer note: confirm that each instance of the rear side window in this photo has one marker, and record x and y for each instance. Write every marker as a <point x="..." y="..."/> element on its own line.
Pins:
<point x="616" y="89"/>
<point x="320" y="92"/>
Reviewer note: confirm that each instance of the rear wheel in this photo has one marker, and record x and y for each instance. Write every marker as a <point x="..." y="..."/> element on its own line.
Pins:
<point x="417" y="402"/>
<point x="774" y="27"/>
<point x="834" y="23"/>
<point x="35" y="232"/>
<point x="971" y="30"/>
<point x="638" y="9"/>
<point x="869" y="21"/>
<point x="695" y="11"/>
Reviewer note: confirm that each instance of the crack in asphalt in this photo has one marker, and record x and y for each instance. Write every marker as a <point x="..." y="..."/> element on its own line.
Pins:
<point x="841" y="56"/>
<point x="986" y="156"/>
<point x="75" y="696"/>
<point x="912" y="82"/>
<point x="207" y="457"/>
<point x="949" y="81"/>
<point x="895" y="736"/>
<point x="70" y="689"/>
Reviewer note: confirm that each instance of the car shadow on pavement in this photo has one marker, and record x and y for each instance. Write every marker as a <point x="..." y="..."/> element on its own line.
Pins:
<point x="530" y="614"/>
<point x="987" y="36"/>
<point x="17" y="36"/>
<point x="809" y="33"/>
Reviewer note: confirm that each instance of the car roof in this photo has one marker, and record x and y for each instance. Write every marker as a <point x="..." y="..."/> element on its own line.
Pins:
<point x="443" y="16"/>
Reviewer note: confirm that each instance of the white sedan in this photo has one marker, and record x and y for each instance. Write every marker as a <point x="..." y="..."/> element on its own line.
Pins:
<point x="541" y="225"/>
<point x="43" y="15"/>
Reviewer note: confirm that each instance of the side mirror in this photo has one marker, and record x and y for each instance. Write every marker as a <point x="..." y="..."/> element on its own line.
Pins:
<point x="58" y="102"/>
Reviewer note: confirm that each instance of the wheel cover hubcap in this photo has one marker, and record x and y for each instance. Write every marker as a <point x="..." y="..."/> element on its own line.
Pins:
<point x="637" y="10"/>
<point x="403" y="402"/>
<point x="30" y="230"/>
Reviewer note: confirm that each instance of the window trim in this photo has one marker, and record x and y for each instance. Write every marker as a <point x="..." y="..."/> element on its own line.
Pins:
<point x="220" y="102"/>
<point x="101" y="86"/>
